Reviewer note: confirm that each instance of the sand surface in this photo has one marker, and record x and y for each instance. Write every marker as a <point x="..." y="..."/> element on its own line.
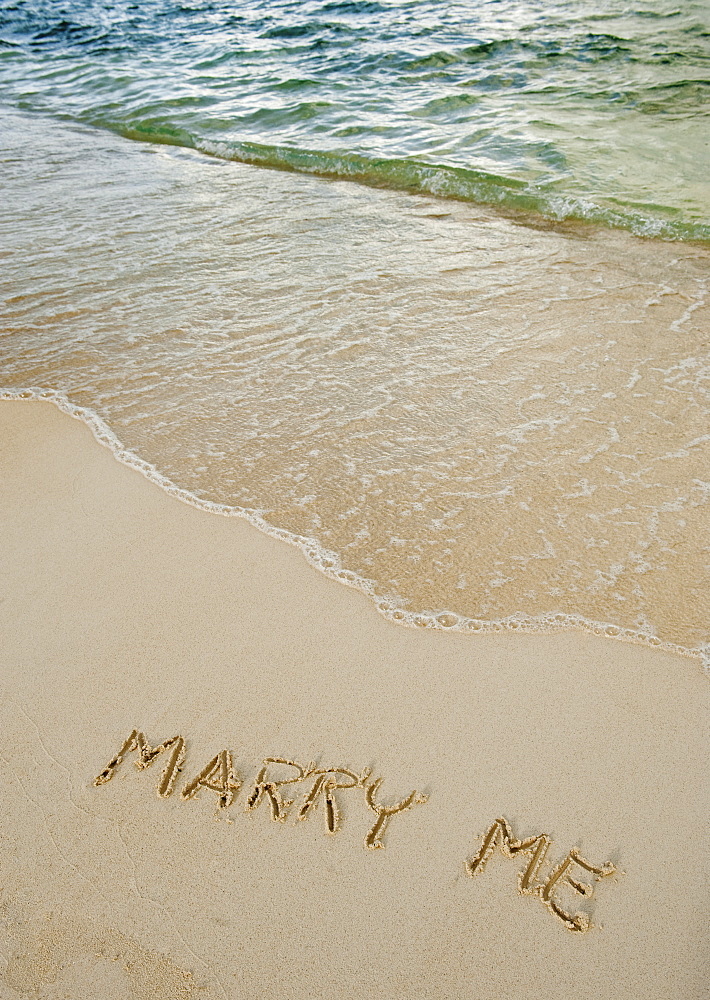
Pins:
<point x="122" y="608"/>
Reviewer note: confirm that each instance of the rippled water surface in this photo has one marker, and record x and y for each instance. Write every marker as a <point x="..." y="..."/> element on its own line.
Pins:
<point x="569" y="108"/>
<point x="473" y="418"/>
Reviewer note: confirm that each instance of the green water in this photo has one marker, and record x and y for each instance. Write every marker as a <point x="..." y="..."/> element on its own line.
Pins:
<point x="565" y="109"/>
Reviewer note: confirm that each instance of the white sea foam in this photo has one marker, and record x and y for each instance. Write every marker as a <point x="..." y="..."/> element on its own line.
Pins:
<point x="329" y="563"/>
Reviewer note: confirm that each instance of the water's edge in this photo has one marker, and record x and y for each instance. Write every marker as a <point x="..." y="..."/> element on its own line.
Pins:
<point x="328" y="562"/>
<point x="510" y="197"/>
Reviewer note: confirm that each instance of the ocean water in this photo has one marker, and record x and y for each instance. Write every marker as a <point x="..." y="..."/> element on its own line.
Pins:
<point x="564" y="107"/>
<point x="419" y="287"/>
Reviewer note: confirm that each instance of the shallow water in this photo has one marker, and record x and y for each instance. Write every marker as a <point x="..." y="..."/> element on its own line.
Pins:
<point x="565" y="107"/>
<point x="476" y="419"/>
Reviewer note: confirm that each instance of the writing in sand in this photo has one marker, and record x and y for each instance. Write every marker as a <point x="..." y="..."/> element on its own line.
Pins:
<point x="278" y="776"/>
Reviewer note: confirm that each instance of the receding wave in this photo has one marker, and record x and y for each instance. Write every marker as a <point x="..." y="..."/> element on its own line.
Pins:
<point x="418" y="177"/>
<point x="330" y="564"/>
<point x="558" y="111"/>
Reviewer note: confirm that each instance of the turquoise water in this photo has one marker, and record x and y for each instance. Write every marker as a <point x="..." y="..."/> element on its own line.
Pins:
<point x="569" y="109"/>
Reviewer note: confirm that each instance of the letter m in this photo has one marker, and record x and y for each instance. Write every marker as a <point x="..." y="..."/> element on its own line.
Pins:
<point x="501" y="835"/>
<point x="146" y="755"/>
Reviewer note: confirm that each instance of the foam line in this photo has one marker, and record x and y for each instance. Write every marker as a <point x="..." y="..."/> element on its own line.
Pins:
<point x="328" y="562"/>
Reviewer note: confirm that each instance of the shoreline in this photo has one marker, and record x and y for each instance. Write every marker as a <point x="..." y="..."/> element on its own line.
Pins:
<point x="125" y="610"/>
<point x="577" y="489"/>
<point x="328" y="563"/>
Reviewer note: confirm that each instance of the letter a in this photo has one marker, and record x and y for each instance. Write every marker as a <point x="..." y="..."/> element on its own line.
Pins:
<point x="219" y="777"/>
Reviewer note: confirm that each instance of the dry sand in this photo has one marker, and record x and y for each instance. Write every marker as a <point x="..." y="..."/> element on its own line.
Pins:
<point x="122" y="607"/>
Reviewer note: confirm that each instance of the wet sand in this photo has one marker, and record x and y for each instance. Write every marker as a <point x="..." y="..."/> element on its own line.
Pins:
<point x="124" y="609"/>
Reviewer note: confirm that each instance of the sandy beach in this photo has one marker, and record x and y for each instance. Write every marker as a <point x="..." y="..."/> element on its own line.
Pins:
<point x="353" y="501"/>
<point x="126" y="610"/>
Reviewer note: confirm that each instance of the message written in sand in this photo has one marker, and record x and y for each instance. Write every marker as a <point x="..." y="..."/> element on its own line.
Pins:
<point x="326" y="784"/>
<point x="500" y="835"/>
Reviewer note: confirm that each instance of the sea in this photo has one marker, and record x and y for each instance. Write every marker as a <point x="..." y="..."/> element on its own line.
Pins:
<point x="418" y="286"/>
